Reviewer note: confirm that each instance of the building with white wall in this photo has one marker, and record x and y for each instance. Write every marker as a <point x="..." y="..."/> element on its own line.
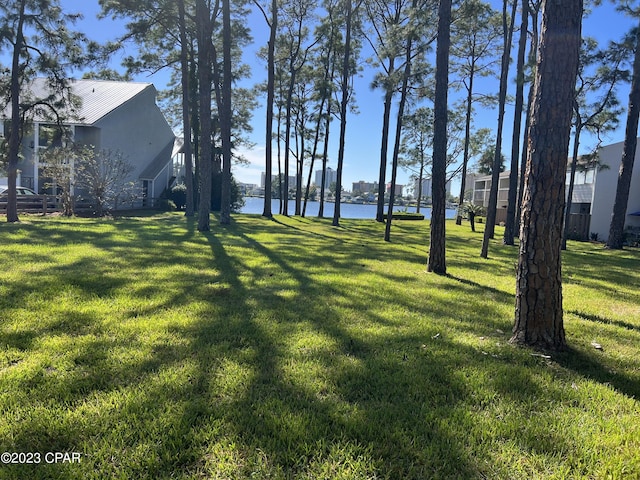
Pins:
<point x="605" y="182"/>
<point x="427" y="187"/>
<point x="593" y="194"/>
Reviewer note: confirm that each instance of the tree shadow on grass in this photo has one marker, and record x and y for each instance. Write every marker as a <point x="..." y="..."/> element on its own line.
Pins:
<point x="362" y="409"/>
<point x="590" y="367"/>
<point x="501" y="294"/>
<point x="606" y="321"/>
<point x="233" y="392"/>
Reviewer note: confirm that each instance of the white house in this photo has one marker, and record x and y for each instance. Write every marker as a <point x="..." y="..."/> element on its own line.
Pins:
<point x="118" y="116"/>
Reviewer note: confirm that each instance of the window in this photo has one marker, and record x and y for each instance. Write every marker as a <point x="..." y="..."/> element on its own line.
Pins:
<point x="589" y="176"/>
<point x="52" y="136"/>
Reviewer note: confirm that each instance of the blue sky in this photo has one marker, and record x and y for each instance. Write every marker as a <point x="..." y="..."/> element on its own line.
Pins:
<point x="363" y="129"/>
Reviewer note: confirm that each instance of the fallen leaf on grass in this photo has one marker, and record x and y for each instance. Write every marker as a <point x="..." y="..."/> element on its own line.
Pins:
<point x="541" y="355"/>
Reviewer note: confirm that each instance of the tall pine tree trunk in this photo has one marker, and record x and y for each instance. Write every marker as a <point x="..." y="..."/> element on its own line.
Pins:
<point x="533" y="49"/>
<point x="437" y="247"/>
<point x="572" y="181"/>
<point x="616" y="229"/>
<point x="300" y="122"/>
<point x="396" y="146"/>
<point x="314" y="151"/>
<point x="287" y="140"/>
<point x="384" y="147"/>
<point x="467" y="141"/>
<point x="346" y="74"/>
<point x="225" y="115"/>
<point x="325" y="159"/>
<point x="204" y="97"/>
<point x="538" y="313"/>
<point x="186" y="114"/>
<point x="510" y="224"/>
<point x="14" y="135"/>
<point x="490" y="225"/>
<point x="266" y="212"/>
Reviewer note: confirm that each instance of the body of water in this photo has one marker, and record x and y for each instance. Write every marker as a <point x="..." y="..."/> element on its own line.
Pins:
<point x="347" y="210"/>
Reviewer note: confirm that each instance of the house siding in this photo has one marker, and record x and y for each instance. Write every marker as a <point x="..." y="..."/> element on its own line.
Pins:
<point x="142" y="137"/>
<point x="604" y="195"/>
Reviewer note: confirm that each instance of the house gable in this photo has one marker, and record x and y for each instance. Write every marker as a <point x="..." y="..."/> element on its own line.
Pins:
<point x="118" y="116"/>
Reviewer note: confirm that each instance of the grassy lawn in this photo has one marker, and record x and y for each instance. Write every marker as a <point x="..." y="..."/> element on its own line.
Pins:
<point x="292" y="349"/>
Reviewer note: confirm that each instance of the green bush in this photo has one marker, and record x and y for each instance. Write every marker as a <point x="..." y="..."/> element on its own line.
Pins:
<point x="179" y="195"/>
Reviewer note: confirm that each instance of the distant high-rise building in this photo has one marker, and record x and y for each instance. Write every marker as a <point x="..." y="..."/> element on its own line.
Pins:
<point x="364" y="187"/>
<point x="330" y="177"/>
<point x="292" y="180"/>
<point x="398" y="190"/>
<point x="427" y="187"/>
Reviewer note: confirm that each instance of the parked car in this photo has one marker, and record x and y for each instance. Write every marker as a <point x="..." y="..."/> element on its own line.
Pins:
<point x="20" y="191"/>
<point x="27" y="198"/>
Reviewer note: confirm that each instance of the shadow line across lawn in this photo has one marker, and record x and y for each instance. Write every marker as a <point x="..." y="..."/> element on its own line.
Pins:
<point x="603" y="320"/>
<point x="304" y="357"/>
<point x="360" y="403"/>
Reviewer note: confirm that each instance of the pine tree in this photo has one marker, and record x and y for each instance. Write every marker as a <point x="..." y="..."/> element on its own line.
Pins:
<point x="437" y="247"/>
<point x="37" y="35"/>
<point x="538" y="313"/>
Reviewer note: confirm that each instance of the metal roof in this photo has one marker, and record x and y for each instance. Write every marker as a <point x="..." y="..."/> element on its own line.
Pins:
<point x="98" y="98"/>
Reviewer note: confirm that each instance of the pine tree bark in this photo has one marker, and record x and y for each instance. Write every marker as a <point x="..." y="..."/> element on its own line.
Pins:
<point x="437" y="248"/>
<point x="386" y="116"/>
<point x="616" y="229"/>
<point x="399" y="121"/>
<point x="490" y="224"/>
<point x="534" y="11"/>
<point x="226" y="114"/>
<point x="186" y="114"/>
<point x="510" y="224"/>
<point x="467" y="141"/>
<point x="204" y="93"/>
<point x="14" y="136"/>
<point x="346" y="74"/>
<point x="273" y="28"/>
<point x="538" y="313"/>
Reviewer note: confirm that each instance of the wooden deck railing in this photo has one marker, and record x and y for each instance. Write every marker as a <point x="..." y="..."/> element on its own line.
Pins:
<point x="43" y="204"/>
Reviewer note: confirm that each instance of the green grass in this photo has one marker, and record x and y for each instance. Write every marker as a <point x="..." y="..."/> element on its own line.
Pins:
<point x="292" y="349"/>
